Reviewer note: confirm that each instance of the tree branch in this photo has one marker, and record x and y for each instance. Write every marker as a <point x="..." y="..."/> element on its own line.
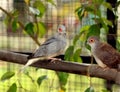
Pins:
<point x="76" y="68"/>
<point x="21" y="25"/>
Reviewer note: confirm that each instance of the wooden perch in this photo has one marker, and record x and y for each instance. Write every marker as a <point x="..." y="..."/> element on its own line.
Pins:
<point x="64" y="66"/>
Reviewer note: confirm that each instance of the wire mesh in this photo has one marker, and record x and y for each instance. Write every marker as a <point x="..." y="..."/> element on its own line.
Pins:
<point x="18" y="41"/>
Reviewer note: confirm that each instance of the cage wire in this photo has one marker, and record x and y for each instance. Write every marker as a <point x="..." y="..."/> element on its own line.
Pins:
<point x="64" y="12"/>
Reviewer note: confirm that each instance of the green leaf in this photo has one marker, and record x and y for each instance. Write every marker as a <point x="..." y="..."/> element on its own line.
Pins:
<point x="89" y="9"/>
<point x="90" y="89"/>
<point x="83" y="33"/>
<point x="29" y="28"/>
<point x="69" y="53"/>
<point x="84" y="28"/>
<point x="12" y="88"/>
<point x="40" y="79"/>
<point x="52" y="2"/>
<point x="107" y="5"/>
<point x="7" y="76"/>
<point x="104" y="26"/>
<point x="34" y="10"/>
<point x="14" y="25"/>
<point x="41" y="29"/>
<point x="80" y="12"/>
<point x="40" y="6"/>
<point x="63" y="78"/>
<point x="76" y="38"/>
<point x="76" y="56"/>
<point x="94" y="30"/>
<point x="78" y="9"/>
<point x="107" y="22"/>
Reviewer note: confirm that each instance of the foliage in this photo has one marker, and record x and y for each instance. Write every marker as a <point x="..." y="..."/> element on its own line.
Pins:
<point x="100" y="21"/>
<point x="73" y="54"/>
<point x="99" y="24"/>
<point x="12" y="88"/>
<point x="7" y="76"/>
<point x="63" y="77"/>
<point x="90" y="89"/>
<point x="37" y="28"/>
<point x="40" y="79"/>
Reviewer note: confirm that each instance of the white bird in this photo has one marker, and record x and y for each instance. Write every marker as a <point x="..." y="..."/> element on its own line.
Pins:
<point x="52" y="47"/>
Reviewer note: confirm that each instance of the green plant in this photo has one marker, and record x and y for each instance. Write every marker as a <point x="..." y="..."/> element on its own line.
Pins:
<point x="36" y="29"/>
<point x="92" y="11"/>
<point x="99" y="25"/>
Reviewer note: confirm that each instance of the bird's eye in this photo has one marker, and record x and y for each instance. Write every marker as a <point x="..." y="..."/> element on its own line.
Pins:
<point x="60" y="29"/>
<point x="92" y="40"/>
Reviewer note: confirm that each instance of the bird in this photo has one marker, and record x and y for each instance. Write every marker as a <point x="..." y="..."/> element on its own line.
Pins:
<point x="52" y="47"/>
<point x="105" y="55"/>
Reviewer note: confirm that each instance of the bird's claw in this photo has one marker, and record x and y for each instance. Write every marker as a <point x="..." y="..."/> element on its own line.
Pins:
<point x="105" y="68"/>
<point x="55" y="59"/>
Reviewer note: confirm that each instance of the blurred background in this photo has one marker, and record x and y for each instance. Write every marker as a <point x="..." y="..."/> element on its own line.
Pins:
<point x="63" y="12"/>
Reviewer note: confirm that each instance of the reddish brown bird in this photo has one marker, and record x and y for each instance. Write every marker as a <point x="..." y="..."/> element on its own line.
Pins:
<point x="104" y="54"/>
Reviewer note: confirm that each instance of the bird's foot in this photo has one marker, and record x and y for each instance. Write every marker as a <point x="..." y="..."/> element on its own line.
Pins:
<point x="55" y="59"/>
<point x="105" y="68"/>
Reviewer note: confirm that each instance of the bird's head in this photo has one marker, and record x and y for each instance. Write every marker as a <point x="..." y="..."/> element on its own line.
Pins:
<point x="93" y="41"/>
<point x="62" y="29"/>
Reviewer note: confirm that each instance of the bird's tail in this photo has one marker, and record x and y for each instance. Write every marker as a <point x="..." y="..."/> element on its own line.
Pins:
<point x="31" y="61"/>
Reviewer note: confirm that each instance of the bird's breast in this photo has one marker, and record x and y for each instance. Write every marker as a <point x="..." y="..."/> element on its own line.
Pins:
<point x="99" y="62"/>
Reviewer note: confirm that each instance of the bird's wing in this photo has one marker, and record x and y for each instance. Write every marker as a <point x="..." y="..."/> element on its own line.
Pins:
<point x="108" y="55"/>
<point x="49" y="48"/>
<point x="42" y="48"/>
<point x="50" y="40"/>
